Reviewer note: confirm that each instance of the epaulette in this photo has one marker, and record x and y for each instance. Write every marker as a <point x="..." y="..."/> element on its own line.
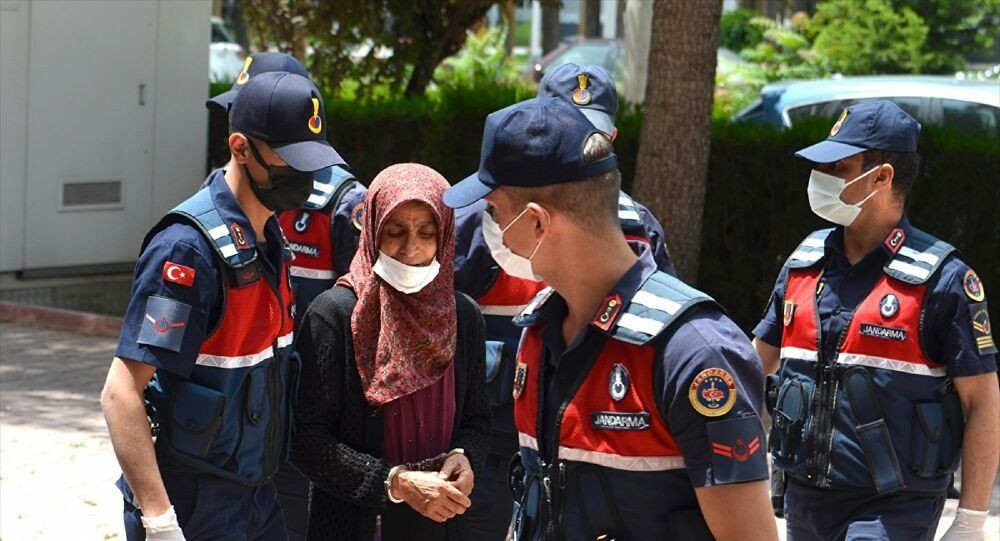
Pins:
<point x="810" y="250"/>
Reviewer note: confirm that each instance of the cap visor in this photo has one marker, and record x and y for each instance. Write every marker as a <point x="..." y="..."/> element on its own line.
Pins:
<point x="466" y="192"/>
<point x="308" y="155"/>
<point x="828" y="151"/>
<point x="601" y="121"/>
<point x="222" y="102"/>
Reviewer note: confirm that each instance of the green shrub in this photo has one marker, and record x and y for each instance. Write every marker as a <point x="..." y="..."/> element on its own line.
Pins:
<point x="736" y="33"/>
<point x="856" y="38"/>
<point x="756" y="209"/>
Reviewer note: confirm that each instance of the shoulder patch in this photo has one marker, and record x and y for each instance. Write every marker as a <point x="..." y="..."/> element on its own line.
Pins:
<point x="982" y="331"/>
<point x="357" y="215"/>
<point x="712" y="392"/>
<point x="164" y="323"/>
<point x="973" y="286"/>
<point x="738" y="452"/>
<point x="178" y="274"/>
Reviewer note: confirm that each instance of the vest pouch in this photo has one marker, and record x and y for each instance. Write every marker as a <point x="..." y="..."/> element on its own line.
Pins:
<point x="596" y="504"/>
<point x="883" y="465"/>
<point x="256" y="401"/>
<point x="689" y="525"/>
<point x="935" y="442"/>
<point x="195" y="418"/>
<point x="789" y="415"/>
<point x="925" y="446"/>
<point x="499" y="373"/>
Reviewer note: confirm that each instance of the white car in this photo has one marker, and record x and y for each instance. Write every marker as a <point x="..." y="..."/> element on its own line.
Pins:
<point x="226" y="57"/>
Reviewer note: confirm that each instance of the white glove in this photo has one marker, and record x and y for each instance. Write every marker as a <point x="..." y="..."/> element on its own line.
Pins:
<point x="968" y="526"/>
<point x="163" y="527"/>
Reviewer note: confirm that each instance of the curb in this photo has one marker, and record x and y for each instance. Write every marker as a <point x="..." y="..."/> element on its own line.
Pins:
<point x="61" y="320"/>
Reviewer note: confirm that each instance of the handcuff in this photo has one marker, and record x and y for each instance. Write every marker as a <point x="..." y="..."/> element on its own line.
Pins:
<point x="430" y="464"/>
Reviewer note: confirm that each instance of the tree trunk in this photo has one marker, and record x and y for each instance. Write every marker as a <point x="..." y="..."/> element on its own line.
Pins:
<point x="550" y="27"/>
<point x="676" y="130"/>
<point x="508" y="15"/>
<point x="590" y="18"/>
<point x="620" y="19"/>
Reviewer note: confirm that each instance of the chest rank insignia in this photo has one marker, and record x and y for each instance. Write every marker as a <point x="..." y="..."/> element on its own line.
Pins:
<point x="895" y="240"/>
<point x="888" y="306"/>
<point x="788" y="313"/>
<point x="618" y="382"/>
<point x="302" y="223"/>
<point x="581" y="96"/>
<point x="712" y="392"/>
<point x="520" y="378"/>
<point x="609" y="310"/>
<point x="240" y="237"/>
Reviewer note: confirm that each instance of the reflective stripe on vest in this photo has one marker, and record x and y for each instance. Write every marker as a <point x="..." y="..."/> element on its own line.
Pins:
<point x="651" y="448"/>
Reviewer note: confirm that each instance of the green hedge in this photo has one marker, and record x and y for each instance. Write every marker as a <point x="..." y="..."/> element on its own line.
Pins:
<point x="756" y="210"/>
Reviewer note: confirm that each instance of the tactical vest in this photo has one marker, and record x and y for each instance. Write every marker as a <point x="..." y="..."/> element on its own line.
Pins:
<point x="507" y="297"/>
<point x="231" y="417"/>
<point x="310" y="235"/>
<point x="615" y="468"/>
<point x="881" y="414"/>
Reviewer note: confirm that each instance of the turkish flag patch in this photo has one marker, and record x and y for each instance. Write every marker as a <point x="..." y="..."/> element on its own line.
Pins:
<point x="178" y="274"/>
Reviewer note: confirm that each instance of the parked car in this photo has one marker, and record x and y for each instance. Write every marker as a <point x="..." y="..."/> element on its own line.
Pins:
<point x="607" y="53"/>
<point x="964" y="104"/>
<point x="225" y="56"/>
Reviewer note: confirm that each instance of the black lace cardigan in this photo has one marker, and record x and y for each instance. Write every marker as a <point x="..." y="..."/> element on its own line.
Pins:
<point x="338" y="436"/>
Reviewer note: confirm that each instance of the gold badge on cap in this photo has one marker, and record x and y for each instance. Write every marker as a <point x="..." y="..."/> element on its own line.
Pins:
<point x="839" y="123"/>
<point x="315" y="122"/>
<point x="581" y="96"/>
<point x="244" y="75"/>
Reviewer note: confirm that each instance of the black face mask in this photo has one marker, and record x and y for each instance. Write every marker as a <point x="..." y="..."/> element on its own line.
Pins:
<point x="287" y="188"/>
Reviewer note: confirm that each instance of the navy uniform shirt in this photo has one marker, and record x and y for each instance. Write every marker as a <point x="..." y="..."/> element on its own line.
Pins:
<point x="702" y="338"/>
<point x="948" y="334"/>
<point x="177" y="296"/>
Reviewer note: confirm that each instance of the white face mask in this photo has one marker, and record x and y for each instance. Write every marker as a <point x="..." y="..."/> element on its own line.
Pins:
<point x="824" y="197"/>
<point x="511" y="263"/>
<point x="402" y="277"/>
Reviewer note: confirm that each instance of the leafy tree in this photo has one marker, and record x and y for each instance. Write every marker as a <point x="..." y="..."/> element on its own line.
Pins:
<point x="736" y="32"/>
<point x="859" y="38"/>
<point x="379" y="43"/>
<point x="955" y="28"/>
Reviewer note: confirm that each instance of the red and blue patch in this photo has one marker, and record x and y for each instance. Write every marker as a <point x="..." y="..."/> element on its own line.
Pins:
<point x="738" y="454"/>
<point x="712" y="392"/>
<point x="164" y="323"/>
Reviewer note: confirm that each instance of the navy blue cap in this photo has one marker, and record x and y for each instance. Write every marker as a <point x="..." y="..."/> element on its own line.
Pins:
<point x="537" y="142"/>
<point x="872" y="125"/>
<point x="590" y="88"/>
<point x="286" y="112"/>
<point x="254" y="65"/>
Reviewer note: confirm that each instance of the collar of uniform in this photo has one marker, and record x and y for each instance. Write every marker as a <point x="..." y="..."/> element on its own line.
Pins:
<point x="888" y="248"/>
<point x="232" y="213"/>
<point x="621" y="294"/>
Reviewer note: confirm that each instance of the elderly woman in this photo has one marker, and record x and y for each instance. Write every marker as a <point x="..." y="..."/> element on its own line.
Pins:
<point x="392" y="415"/>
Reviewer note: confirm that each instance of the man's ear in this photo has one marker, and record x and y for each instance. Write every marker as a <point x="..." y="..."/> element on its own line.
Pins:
<point x="239" y="148"/>
<point x="542" y="215"/>
<point x="884" y="177"/>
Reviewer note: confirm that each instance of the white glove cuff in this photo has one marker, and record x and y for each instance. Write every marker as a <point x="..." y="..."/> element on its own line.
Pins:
<point x="167" y="522"/>
<point x="969" y="518"/>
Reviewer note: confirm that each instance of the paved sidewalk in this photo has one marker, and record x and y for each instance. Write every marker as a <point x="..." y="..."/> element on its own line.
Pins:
<point x="57" y="468"/>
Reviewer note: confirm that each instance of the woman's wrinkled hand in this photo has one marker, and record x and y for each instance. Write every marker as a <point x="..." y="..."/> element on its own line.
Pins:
<point x="457" y="470"/>
<point x="429" y="495"/>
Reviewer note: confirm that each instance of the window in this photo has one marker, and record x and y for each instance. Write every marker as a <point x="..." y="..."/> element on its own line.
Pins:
<point x="967" y="116"/>
<point x="831" y="109"/>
